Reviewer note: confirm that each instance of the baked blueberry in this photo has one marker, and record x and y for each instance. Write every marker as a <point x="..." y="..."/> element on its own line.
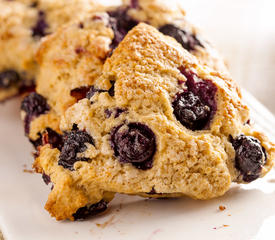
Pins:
<point x="74" y="142"/>
<point x="91" y="210"/>
<point x="8" y="78"/>
<point x="195" y="106"/>
<point x="39" y="30"/>
<point x="191" y="111"/>
<point x="134" y="143"/>
<point x="250" y="156"/>
<point x="121" y="23"/>
<point x="33" y="105"/>
<point x="46" y="178"/>
<point x="188" y="40"/>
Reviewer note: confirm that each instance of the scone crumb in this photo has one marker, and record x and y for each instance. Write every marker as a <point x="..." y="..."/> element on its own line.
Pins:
<point x="223" y="226"/>
<point x="26" y="170"/>
<point x="105" y="224"/>
<point x="222" y="208"/>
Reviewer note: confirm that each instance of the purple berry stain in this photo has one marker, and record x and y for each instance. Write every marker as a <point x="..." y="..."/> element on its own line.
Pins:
<point x="89" y="211"/>
<point x="8" y="78"/>
<point x="134" y="143"/>
<point x="121" y="23"/>
<point x="74" y="143"/>
<point x="39" y="30"/>
<point x="49" y="136"/>
<point x="134" y="4"/>
<point x="188" y="40"/>
<point x="46" y="178"/>
<point x="33" y="105"/>
<point x="250" y="156"/>
<point x="195" y="106"/>
<point x="53" y="138"/>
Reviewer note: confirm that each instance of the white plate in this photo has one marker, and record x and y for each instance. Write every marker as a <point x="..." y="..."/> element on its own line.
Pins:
<point x="249" y="213"/>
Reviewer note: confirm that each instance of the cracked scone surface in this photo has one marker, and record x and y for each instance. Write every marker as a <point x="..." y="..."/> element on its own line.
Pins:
<point x="23" y="24"/>
<point x="71" y="59"/>
<point x="155" y="123"/>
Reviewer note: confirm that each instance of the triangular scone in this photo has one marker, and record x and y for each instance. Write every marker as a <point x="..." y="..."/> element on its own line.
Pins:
<point x="155" y="123"/>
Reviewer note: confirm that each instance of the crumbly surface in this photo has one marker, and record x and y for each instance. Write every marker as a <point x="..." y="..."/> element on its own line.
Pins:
<point x="16" y="43"/>
<point x="23" y="24"/>
<point x="72" y="58"/>
<point x="159" y="13"/>
<point x="131" y="110"/>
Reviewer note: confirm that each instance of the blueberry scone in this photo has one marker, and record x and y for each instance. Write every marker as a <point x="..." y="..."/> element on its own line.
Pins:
<point x="72" y="58"/>
<point x="155" y="123"/>
<point x="23" y="24"/>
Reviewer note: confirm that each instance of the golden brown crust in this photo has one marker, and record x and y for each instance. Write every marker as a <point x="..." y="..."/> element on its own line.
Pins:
<point x="17" y="43"/>
<point x="146" y="70"/>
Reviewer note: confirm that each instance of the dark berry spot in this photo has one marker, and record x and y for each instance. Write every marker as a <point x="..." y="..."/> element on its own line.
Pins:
<point x="33" y="105"/>
<point x="46" y="178"/>
<point x="8" y="78"/>
<point x="75" y="127"/>
<point x="250" y="156"/>
<point x="108" y="113"/>
<point x="97" y="17"/>
<point x="38" y="142"/>
<point x="196" y="106"/>
<point x="94" y="90"/>
<point x="91" y="210"/>
<point x="39" y="30"/>
<point x="134" y="143"/>
<point x="27" y="87"/>
<point x="53" y="138"/>
<point x="191" y="112"/>
<point x="49" y="136"/>
<point x="79" y="50"/>
<point x="111" y="91"/>
<point x="152" y="192"/>
<point x="188" y="40"/>
<point x="121" y="23"/>
<point x="34" y="5"/>
<point x="80" y="93"/>
<point x="81" y="25"/>
<point x="134" y="4"/>
<point x="74" y="143"/>
<point x="119" y="111"/>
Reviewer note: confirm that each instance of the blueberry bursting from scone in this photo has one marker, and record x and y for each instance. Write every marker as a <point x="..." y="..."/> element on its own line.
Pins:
<point x="121" y="23"/>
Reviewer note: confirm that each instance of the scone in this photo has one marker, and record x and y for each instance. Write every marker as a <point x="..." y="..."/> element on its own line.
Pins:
<point x="23" y="24"/>
<point x="72" y="58"/>
<point x="155" y="123"/>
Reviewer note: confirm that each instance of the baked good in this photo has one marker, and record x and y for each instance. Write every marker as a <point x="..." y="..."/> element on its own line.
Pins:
<point x="72" y="58"/>
<point x="155" y="123"/>
<point x="23" y="24"/>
